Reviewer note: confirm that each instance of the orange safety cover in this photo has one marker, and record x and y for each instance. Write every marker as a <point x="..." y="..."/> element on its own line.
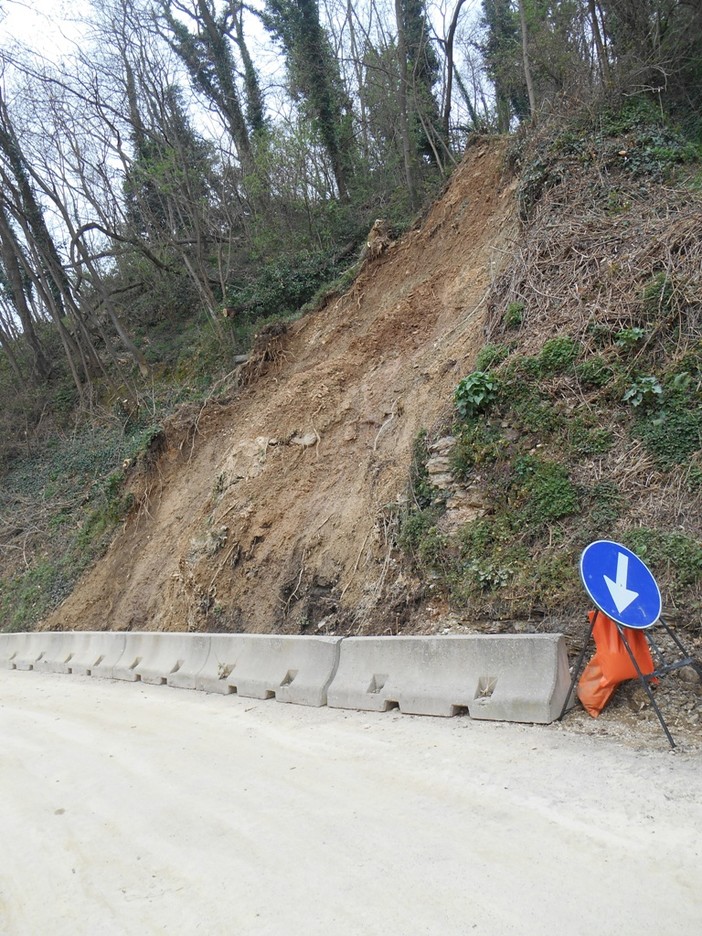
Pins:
<point x="615" y="661"/>
<point x="611" y="664"/>
<point x="593" y="689"/>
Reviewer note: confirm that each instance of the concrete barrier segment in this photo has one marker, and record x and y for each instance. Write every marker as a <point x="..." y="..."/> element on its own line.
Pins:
<point x="531" y="679"/>
<point x="10" y="647"/>
<point x="111" y="653"/>
<point x="223" y="657"/>
<point x="196" y="650"/>
<point x="56" y="652"/>
<point x="290" y="669"/>
<point x="150" y="656"/>
<point x="30" y="650"/>
<point x="420" y="675"/>
<point x="443" y="675"/>
<point x="90" y="649"/>
<point x="162" y="655"/>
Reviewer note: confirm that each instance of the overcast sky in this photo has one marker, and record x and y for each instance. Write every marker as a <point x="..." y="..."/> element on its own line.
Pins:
<point x="49" y="26"/>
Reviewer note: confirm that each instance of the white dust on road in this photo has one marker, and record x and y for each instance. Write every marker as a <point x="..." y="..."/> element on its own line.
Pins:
<point x="130" y="809"/>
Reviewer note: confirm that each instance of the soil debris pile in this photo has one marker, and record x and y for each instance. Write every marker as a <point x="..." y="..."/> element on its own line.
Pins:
<point x="276" y="511"/>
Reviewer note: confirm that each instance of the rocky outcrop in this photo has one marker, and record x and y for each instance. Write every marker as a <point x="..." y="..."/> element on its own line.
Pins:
<point x="464" y="502"/>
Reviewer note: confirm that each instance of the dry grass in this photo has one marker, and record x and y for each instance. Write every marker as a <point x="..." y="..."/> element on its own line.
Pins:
<point x="590" y="254"/>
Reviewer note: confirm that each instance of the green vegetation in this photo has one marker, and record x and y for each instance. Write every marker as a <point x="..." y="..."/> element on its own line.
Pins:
<point x="545" y="424"/>
<point x="634" y="138"/>
<point x="474" y="393"/>
<point x="642" y="391"/>
<point x="675" y="553"/>
<point x="672" y="430"/>
<point x="629" y="337"/>
<point x="524" y="450"/>
<point x="478" y="442"/>
<point x="595" y="371"/>
<point x="490" y="356"/>
<point x="514" y="315"/>
<point x="61" y="506"/>
<point x="585" y="439"/>
<point x="546" y="491"/>
<point x="283" y="286"/>
<point x="557" y="355"/>
<point x="423" y="493"/>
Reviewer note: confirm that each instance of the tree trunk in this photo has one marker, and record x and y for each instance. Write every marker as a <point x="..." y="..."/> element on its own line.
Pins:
<point x="403" y="107"/>
<point x="448" y="47"/>
<point x="527" y="66"/>
<point x="255" y="110"/>
<point x="6" y="344"/>
<point x="599" y="44"/>
<point x="229" y="96"/>
<point x="124" y="335"/>
<point x="8" y="252"/>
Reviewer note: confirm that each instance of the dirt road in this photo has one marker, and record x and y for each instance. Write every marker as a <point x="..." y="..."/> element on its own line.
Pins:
<point x="130" y="809"/>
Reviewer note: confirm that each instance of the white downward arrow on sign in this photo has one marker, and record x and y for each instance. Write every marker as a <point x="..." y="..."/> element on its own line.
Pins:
<point x="621" y="595"/>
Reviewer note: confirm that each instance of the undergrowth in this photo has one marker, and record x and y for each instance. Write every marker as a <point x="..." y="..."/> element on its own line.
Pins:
<point x="550" y="458"/>
<point x="633" y="139"/>
<point x="59" y="509"/>
<point x="283" y="286"/>
<point x="582" y="417"/>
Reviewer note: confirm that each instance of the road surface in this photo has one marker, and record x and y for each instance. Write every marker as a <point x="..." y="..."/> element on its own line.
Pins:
<point x="132" y="809"/>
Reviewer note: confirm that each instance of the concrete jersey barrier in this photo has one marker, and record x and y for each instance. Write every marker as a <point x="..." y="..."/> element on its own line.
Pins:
<point x="113" y="652"/>
<point x="92" y="648"/>
<point x="10" y="646"/>
<point x="534" y="683"/>
<point x="151" y="656"/>
<point x="289" y="669"/>
<point x="262" y="666"/>
<point x="53" y="651"/>
<point x="56" y="650"/>
<point x="513" y="678"/>
<point x="30" y="648"/>
<point x="194" y="659"/>
<point x="223" y="654"/>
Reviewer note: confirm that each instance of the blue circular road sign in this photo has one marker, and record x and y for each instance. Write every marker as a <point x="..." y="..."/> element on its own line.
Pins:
<point x="620" y="584"/>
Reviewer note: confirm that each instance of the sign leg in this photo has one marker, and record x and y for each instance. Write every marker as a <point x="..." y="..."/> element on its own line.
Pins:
<point x="646" y="685"/>
<point x="686" y="659"/>
<point x="577" y="669"/>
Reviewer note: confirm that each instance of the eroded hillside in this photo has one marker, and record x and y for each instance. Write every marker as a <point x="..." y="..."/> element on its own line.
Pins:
<point x="274" y="511"/>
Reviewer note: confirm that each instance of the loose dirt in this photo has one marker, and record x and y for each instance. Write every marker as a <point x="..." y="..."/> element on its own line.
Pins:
<point x="274" y="512"/>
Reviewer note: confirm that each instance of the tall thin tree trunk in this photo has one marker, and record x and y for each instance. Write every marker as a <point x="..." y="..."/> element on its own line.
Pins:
<point x="599" y="44"/>
<point x="124" y="335"/>
<point x="450" y="68"/>
<point x="403" y="105"/>
<point x="8" y="251"/>
<point x="358" y="68"/>
<point x="527" y="66"/>
<point x="6" y="345"/>
<point x="229" y="97"/>
<point x="478" y="122"/>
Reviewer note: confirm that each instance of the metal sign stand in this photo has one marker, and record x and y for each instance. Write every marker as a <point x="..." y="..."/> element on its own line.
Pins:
<point x="662" y="666"/>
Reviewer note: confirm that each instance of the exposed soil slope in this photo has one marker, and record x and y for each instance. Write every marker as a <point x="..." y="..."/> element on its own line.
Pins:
<point x="273" y="512"/>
